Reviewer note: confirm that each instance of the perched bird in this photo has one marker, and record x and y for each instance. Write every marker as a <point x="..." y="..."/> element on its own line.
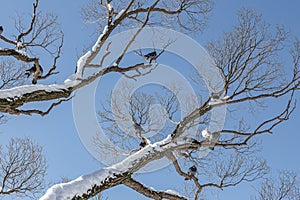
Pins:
<point x="191" y="140"/>
<point x="192" y="172"/>
<point x="196" y="142"/>
<point x="143" y="144"/>
<point x="215" y="95"/>
<point x="210" y="137"/>
<point x="206" y="134"/>
<point x="151" y="56"/>
<point x="35" y="73"/>
<point x="1" y="30"/>
<point x="30" y="71"/>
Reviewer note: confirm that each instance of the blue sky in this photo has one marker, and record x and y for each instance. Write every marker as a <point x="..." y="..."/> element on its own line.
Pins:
<point x="66" y="155"/>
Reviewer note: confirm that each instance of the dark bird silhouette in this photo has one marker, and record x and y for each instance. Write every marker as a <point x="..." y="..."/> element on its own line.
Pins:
<point x="151" y="56"/>
<point x="196" y="142"/>
<point x="30" y="71"/>
<point x="1" y="30"/>
<point x="192" y="172"/>
<point x="191" y="140"/>
<point x="143" y="144"/>
<point x="35" y="73"/>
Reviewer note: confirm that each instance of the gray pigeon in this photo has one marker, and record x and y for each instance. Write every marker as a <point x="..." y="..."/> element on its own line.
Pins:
<point x="192" y="172"/>
<point x="151" y="56"/>
<point x="35" y="74"/>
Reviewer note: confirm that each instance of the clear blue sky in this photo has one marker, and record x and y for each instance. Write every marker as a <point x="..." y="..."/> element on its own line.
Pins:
<point x="56" y="132"/>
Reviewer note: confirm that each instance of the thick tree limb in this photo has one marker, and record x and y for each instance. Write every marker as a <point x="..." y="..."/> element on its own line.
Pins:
<point x="39" y="112"/>
<point x="150" y="192"/>
<point x="17" y="55"/>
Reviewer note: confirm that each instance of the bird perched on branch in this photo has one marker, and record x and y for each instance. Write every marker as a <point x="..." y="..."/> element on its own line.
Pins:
<point x="211" y="138"/>
<point x="35" y="73"/>
<point x="150" y="56"/>
<point x="192" y="172"/>
<point x="207" y="134"/>
<point x="142" y="144"/>
<point x="1" y="30"/>
<point x="191" y="140"/>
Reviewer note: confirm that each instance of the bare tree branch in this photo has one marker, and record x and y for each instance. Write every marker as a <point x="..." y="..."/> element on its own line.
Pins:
<point x="286" y="186"/>
<point x="246" y="57"/>
<point x="23" y="168"/>
<point x="150" y="192"/>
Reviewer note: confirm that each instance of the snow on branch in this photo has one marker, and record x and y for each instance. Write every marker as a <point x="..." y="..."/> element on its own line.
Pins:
<point x="84" y="186"/>
<point x="90" y="185"/>
<point x="151" y="193"/>
<point x="15" y="97"/>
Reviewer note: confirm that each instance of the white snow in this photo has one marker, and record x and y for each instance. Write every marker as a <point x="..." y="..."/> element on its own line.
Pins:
<point x="17" y="92"/>
<point x="109" y="7"/>
<point x="21" y="52"/>
<point x="14" y="93"/>
<point x="81" y="63"/>
<point x="119" y="14"/>
<point x="21" y="90"/>
<point x="83" y="183"/>
<point x="97" y="44"/>
<point x="225" y="98"/>
<point x="216" y="102"/>
<point x="70" y="78"/>
<point x="78" y="186"/>
<point x="130" y="161"/>
<point x="173" y="192"/>
<point x="19" y="45"/>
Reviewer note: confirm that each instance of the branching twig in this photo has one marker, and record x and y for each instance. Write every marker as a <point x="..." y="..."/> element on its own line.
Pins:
<point x="39" y="112"/>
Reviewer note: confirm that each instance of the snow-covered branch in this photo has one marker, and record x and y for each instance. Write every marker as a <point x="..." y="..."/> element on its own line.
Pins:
<point x="152" y="193"/>
<point x="15" y="97"/>
<point x="98" y="181"/>
<point x="245" y="59"/>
